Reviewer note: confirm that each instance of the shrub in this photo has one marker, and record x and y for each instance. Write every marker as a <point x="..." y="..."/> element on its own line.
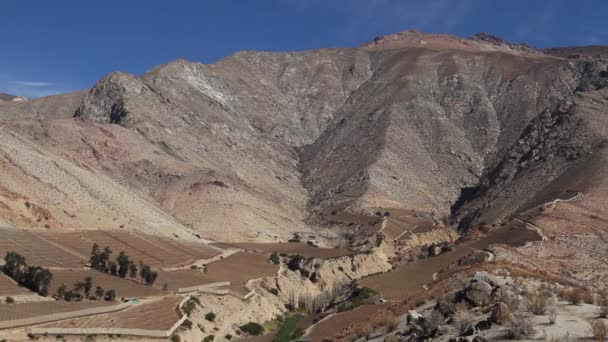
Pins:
<point x="463" y="320"/>
<point x="519" y="327"/>
<point x="552" y="315"/>
<point x="209" y="338"/>
<point x="363" y="330"/>
<point x="99" y="292"/>
<point x="598" y="330"/>
<point x="537" y="304"/>
<point x="210" y="316"/>
<point x="187" y="324"/>
<point x="574" y="295"/>
<point x="110" y="295"/>
<point x="274" y="291"/>
<point x="294" y="262"/>
<point x="175" y="338"/>
<point x="188" y="307"/>
<point x="252" y="328"/>
<point x="228" y="337"/>
<point x="588" y="298"/>
<point x="274" y="258"/>
<point x="9" y="300"/>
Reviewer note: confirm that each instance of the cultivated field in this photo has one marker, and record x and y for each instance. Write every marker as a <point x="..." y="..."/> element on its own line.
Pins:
<point x="155" y="315"/>
<point x="407" y="280"/>
<point x="9" y="288"/>
<point x="123" y="287"/>
<point x="239" y="268"/>
<point x="27" y="310"/>
<point x="291" y="248"/>
<point x="152" y="250"/>
<point x="181" y="278"/>
<point x="37" y="250"/>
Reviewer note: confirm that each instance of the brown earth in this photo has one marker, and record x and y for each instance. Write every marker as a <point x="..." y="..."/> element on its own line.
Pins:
<point x="158" y="314"/>
<point x="123" y="287"/>
<point x="291" y="248"/>
<point x="27" y="310"/>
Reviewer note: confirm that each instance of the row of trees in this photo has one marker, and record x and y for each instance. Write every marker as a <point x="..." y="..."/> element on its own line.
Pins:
<point x="35" y="278"/>
<point x="123" y="266"/>
<point x="84" y="287"/>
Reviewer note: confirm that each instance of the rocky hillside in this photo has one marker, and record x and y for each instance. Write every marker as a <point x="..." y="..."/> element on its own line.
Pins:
<point x="8" y="97"/>
<point x="259" y="144"/>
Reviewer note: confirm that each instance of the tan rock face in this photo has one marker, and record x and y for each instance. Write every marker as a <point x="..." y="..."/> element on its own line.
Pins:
<point x="254" y="146"/>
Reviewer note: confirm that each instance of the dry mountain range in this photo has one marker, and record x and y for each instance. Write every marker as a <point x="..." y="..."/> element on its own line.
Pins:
<point x="260" y="145"/>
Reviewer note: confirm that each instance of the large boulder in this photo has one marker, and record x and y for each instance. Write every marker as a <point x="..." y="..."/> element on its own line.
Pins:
<point x="501" y="314"/>
<point x="479" y="293"/>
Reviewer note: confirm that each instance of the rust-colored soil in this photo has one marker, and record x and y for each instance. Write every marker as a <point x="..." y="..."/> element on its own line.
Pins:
<point x="336" y="323"/>
<point x="27" y="310"/>
<point x="240" y="267"/>
<point x="36" y="249"/>
<point x="152" y="250"/>
<point x="181" y="278"/>
<point x="407" y="280"/>
<point x="123" y="287"/>
<point x="292" y="248"/>
<point x="156" y="315"/>
<point x="237" y="269"/>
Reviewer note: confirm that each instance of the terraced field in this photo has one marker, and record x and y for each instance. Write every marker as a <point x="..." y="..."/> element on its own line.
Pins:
<point x="9" y="288"/>
<point x="37" y="249"/>
<point x="152" y="250"/>
<point x="159" y="314"/>
<point x="407" y="280"/>
<point x="181" y="278"/>
<point x="123" y="287"/>
<point x="27" y="310"/>
<point x="291" y="248"/>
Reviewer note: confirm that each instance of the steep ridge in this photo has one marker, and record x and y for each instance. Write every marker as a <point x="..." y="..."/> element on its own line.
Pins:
<point x="254" y="146"/>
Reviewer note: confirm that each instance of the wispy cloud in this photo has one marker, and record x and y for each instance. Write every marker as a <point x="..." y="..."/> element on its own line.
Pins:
<point x="33" y="83"/>
<point x="30" y="88"/>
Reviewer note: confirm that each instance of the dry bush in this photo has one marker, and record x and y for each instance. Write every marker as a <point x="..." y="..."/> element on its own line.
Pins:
<point x="588" y="298"/>
<point x="602" y="302"/>
<point x="598" y="330"/>
<point x="462" y="321"/>
<point x="512" y="300"/>
<point x="552" y="315"/>
<point x="432" y="321"/>
<point x="537" y="304"/>
<point x="519" y="327"/>
<point x="389" y="321"/>
<point x="575" y="296"/>
<point x="363" y="330"/>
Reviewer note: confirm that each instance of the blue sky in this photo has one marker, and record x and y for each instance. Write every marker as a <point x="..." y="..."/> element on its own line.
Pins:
<point x="63" y="45"/>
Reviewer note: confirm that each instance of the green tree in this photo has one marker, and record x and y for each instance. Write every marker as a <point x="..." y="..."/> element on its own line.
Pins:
<point x="113" y="268"/>
<point x="110" y="295"/>
<point x="123" y="264"/>
<point x="87" y="285"/>
<point x="61" y="290"/>
<point x="132" y="270"/>
<point x="99" y="292"/>
<point x="14" y="265"/>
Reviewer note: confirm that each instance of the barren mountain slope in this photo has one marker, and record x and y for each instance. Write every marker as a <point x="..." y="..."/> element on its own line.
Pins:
<point x="248" y="147"/>
<point x="55" y="106"/>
